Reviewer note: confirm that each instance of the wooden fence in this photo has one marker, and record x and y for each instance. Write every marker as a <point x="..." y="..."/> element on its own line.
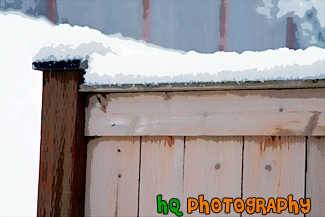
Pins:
<point x="110" y="150"/>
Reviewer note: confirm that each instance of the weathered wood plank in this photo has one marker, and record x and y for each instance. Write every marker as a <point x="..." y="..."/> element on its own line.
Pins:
<point x="63" y="148"/>
<point x="315" y="180"/>
<point x="161" y="172"/>
<point x="248" y="85"/>
<point x="274" y="167"/>
<point x="213" y="167"/>
<point x="216" y="113"/>
<point x="112" y="176"/>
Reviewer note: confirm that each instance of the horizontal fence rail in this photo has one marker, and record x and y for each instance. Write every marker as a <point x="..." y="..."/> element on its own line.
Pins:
<point x="298" y="112"/>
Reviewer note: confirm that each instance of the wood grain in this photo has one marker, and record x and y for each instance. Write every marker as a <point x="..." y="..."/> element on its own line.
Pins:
<point x="213" y="167"/>
<point x="274" y="167"/>
<point x="63" y="149"/>
<point x="315" y="180"/>
<point x="204" y="113"/>
<point x="161" y="172"/>
<point x="112" y="176"/>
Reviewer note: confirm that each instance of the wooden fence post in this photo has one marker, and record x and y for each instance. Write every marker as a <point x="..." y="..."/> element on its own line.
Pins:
<point x="62" y="170"/>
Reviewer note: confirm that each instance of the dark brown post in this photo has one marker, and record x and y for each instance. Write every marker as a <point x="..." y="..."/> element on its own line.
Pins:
<point x="62" y="171"/>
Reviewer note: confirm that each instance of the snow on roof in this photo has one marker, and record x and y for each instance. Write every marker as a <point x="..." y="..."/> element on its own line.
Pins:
<point x="117" y="60"/>
<point x="124" y="61"/>
<point x="176" y="67"/>
<point x="20" y="116"/>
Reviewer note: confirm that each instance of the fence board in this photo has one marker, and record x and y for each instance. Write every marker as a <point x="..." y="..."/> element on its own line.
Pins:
<point x="161" y="172"/>
<point x="204" y="113"/>
<point x="112" y="176"/>
<point x="274" y="167"/>
<point x="213" y="167"/>
<point x="315" y="185"/>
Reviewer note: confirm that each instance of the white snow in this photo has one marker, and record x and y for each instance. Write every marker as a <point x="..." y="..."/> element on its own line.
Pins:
<point x="307" y="26"/>
<point x="20" y="109"/>
<point x="300" y="9"/>
<point x="313" y="40"/>
<point x="296" y="7"/>
<point x="173" y="67"/>
<point x="118" y="60"/>
<point x="266" y="8"/>
<point x="112" y="60"/>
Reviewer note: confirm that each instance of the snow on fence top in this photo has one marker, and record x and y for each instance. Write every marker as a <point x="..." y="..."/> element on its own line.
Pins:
<point x="161" y="66"/>
<point x="123" y="61"/>
<point x="118" y="60"/>
<point x="115" y="60"/>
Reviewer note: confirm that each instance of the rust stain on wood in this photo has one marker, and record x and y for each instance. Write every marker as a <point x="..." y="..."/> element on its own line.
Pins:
<point x="229" y="139"/>
<point x="165" y="140"/>
<point x="170" y="141"/>
<point x="312" y="123"/>
<point x="273" y="142"/>
<point x="276" y="142"/>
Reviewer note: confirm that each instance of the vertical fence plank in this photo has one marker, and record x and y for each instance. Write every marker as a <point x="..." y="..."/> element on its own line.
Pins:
<point x="161" y="172"/>
<point x="213" y="167"/>
<point x="274" y="167"/>
<point x="315" y="180"/>
<point x="112" y="176"/>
